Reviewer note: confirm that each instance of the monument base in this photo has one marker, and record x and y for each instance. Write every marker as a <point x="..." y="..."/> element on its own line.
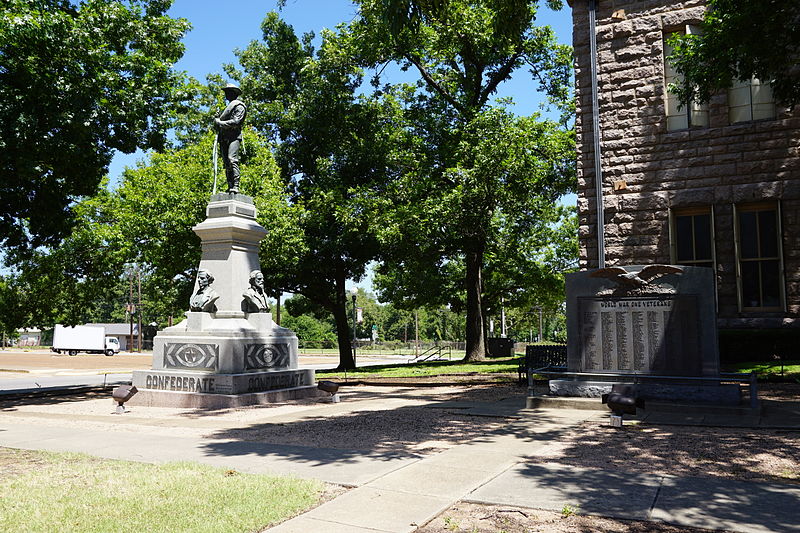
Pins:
<point x="217" y="383"/>
<point x="728" y="394"/>
<point x="201" y="400"/>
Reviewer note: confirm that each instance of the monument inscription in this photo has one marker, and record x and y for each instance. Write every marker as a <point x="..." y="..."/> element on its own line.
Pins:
<point x="634" y="334"/>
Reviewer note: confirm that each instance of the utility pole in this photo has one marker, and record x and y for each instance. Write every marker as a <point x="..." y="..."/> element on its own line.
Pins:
<point x="130" y="309"/>
<point x="503" y="317"/>
<point x="416" y="333"/>
<point x="139" y="314"/>
<point x="541" y="331"/>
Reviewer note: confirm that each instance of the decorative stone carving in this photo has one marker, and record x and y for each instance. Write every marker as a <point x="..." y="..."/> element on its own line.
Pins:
<point x="260" y="356"/>
<point x="191" y="356"/>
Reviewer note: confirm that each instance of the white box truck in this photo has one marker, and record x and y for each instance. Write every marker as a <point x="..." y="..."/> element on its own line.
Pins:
<point x="89" y="339"/>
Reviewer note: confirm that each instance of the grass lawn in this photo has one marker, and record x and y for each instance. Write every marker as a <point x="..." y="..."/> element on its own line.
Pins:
<point x="44" y="491"/>
<point x="495" y="366"/>
<point x="773" y="368"/>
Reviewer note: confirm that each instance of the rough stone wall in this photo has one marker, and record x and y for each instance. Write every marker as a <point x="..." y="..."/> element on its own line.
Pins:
<point x="720" y="165"/>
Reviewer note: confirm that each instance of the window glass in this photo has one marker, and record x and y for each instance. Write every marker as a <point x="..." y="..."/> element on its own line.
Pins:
<point x="702" y="237"/>
<point x="770" y="283"/>
<point x="683" y="230"/>
<point x="680" y="117"/>
<point x="748" y="236"/>
<point x="692" y="234"/>
<point x="767" y="233"/>
<point x="750" y="100"/>
<point x="751" y="296"/>
<point x="759" y="260"/>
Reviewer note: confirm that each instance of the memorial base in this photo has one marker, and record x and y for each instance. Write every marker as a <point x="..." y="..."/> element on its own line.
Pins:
<point x="217" y="383"/>
<point x="728" y="394"/>
<point x="199" y="400"/>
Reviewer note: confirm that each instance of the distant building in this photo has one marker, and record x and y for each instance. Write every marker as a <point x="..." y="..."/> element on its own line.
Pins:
<point x="29" y="337"/>
<point x="123" y="333"/>
<point x="715" y="185"/>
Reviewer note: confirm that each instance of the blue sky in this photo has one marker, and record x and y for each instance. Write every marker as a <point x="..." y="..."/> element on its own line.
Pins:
<point x="221" y="27"/>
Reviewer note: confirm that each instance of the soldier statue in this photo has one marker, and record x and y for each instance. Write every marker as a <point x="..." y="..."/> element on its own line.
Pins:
<point x="229" y="134"/>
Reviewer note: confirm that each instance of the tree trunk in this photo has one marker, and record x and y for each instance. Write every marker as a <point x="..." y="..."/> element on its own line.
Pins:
<point x="476" y="344"/>
<point x="343" y="329"/>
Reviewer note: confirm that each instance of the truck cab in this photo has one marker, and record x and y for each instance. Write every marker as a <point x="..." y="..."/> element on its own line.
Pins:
<point x="112" y="345"/>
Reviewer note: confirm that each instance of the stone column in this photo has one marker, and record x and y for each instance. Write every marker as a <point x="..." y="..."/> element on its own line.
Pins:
<point x="230" y="236"/>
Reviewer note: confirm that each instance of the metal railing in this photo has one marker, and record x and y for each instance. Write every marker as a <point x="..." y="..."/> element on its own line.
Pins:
<point x="749" y="378"/>
<point x="434" y="352"/>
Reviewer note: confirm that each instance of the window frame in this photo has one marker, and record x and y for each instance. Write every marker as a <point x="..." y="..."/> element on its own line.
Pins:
<point x="676" y="212"/>
<point x="755" y="207"/>
<point x="740" y="85"/>
<point x="691" y="108"/>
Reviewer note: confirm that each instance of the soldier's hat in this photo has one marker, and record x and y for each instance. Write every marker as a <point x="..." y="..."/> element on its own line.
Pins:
<point x="232" y="87"/>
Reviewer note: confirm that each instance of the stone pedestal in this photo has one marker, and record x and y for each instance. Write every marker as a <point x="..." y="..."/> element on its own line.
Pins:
<point x="230" y="357"/>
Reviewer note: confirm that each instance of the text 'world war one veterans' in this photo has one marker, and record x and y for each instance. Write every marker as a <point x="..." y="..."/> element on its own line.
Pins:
<point x="229" y="133"/>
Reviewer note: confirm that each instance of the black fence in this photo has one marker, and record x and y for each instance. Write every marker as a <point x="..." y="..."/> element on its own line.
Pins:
<point x="542" y="356"/>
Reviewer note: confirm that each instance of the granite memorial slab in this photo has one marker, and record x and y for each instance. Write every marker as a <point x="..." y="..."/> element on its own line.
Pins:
<point x="653" y="320"/>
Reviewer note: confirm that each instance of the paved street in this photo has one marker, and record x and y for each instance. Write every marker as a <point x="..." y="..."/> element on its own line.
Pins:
<point x="22" y="369"/>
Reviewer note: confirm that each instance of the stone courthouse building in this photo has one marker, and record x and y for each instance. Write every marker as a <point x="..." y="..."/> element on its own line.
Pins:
<point x="714" y="185"/>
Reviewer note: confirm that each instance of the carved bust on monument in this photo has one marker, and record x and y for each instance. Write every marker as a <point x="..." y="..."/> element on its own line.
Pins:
<point x="255" y="299"/>
<point x="229" y="134"/>
<point x="205" y="298"/>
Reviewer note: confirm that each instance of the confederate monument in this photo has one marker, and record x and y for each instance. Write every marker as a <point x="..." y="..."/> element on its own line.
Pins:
<point x="227" y="352"/>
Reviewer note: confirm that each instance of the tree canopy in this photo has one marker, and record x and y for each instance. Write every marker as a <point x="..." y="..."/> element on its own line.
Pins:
<point x="77" y="81"/>
<point x="739" y="41"/>
<point x="478" y="166"/>
<point x="334" y="147"/>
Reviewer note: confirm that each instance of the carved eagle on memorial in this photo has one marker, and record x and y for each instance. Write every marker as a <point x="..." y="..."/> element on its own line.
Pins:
<point x="644" y="279"/>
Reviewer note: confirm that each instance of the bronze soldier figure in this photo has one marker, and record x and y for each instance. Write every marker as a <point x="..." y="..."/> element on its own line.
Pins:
<point x="229" y="128"/>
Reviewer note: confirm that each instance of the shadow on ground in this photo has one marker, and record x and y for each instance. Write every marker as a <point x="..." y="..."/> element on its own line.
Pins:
<point x="12" y="402"/>
<point x="740" y="453"/>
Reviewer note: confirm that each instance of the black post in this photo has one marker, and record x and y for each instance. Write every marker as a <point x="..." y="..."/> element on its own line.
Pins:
<point x="355" y="318"/>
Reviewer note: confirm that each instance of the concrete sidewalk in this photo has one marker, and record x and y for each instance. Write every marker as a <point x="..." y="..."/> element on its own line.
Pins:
<point x="397" y="492"/>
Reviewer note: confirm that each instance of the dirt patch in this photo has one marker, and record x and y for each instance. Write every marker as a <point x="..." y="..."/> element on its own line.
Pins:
<point x="734" y="453"/>
<point x="15" y="462"/>
<point x="783" y="391"/>
<point x="474" y="518"/>
<point x="421" y="430"/>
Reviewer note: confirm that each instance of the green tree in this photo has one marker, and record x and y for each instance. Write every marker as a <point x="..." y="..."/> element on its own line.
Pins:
<point x="476" y="160"/>
<point x="13" y="315"/>
<point x="527" y="260"/>
<point x="145" y="223"/>
<point x="334" y="148"/>
<point x="77" y="82"/>
<point x="740" y="40"/>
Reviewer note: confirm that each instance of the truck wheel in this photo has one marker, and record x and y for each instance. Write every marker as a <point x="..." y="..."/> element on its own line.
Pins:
<point x="109" y="352"/>
<point x="73" y="352"/>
